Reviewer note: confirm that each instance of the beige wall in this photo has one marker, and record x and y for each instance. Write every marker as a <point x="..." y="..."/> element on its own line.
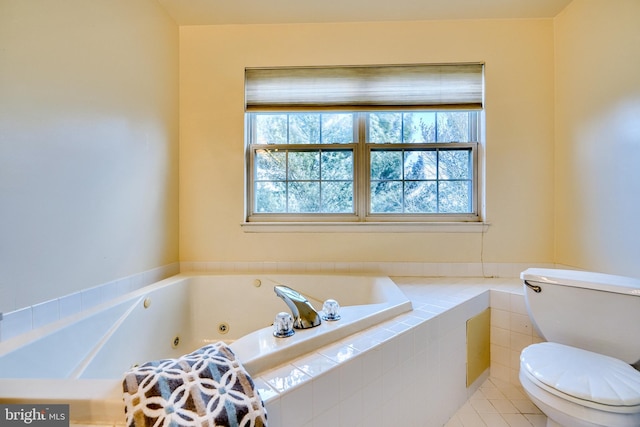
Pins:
<point x="88" y="144"/>
<point x="519" y="182"/>
<point x="89" y="140"/>
<point x="598" y="135"/>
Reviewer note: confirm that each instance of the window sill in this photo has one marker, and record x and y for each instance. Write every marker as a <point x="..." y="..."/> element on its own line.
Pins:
<point x="365" y="227"/>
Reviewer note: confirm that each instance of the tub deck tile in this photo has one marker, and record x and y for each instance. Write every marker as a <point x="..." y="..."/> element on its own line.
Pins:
<point x="314" y="364"/>
<point x="409" y="352"/>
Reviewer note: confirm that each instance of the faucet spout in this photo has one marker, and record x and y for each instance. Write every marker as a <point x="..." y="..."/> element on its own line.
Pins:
<point x="304" y="315"/>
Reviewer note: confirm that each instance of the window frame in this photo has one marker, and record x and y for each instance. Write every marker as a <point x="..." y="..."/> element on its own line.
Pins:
<point x="361" y="175"/>
<point x="426" y="217"/>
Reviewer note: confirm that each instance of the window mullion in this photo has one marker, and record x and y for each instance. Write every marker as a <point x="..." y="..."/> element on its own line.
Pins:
<point x="437" y="176"/>
<point x="286" y="178"/>
<point x="320" y="166"/>
<point x="361" y="163"/>
<point x="403" y="181"/>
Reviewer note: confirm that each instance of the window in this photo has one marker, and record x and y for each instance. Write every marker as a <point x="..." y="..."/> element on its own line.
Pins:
<point x="358" y="159"/>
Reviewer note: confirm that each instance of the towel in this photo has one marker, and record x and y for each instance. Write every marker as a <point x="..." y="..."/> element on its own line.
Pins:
<point x="206" y="388"/>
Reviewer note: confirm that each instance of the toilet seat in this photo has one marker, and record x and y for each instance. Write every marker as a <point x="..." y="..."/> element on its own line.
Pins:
<point x="586" y="378"/>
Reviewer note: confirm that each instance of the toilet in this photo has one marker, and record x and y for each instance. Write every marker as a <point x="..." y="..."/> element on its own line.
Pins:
<point x="583" y="375"/>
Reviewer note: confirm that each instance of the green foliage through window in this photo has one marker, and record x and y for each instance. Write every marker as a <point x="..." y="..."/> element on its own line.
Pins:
<point x="417" y="163"/>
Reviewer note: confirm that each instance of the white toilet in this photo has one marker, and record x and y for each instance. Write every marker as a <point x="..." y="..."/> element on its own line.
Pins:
<point x="582" y="376"/>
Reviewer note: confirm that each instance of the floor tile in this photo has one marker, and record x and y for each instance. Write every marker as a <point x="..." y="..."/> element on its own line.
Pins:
<point x="498" y="403"/>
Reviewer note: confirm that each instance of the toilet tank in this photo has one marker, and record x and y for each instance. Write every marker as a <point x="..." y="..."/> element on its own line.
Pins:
<point x="593" y="311"/>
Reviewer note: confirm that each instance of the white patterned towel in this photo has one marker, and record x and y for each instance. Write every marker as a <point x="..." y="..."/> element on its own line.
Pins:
<point x="206" y="388"/>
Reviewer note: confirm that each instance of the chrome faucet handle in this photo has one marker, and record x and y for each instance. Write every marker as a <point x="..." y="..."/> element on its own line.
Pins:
<point x="331" y="310"/>
<point x="283" y="325"/>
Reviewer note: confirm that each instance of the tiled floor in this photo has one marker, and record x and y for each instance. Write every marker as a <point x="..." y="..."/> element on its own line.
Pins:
<point x="498" y="404"/>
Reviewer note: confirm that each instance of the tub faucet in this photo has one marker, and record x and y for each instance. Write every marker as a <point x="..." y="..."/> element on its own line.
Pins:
<point x="304" y="315"/>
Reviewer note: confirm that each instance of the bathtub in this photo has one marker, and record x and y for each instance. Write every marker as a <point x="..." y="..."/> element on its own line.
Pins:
<point x="80" y="360"/>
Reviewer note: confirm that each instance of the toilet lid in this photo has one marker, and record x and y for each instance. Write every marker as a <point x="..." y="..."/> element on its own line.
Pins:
<point x="582" y="374"/>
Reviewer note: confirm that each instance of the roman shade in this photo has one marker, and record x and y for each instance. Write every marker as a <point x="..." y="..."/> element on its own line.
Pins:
<point x="358" y="88"/>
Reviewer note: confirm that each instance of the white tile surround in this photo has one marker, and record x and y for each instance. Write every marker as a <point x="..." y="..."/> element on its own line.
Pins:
<point x="409" y="371"/>
<point x="24" y="319"/>
<point x="397" y="269"/>
<point x="511" y="332"/>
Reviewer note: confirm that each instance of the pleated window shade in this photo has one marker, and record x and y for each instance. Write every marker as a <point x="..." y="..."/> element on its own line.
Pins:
<point x="358" y="88"/>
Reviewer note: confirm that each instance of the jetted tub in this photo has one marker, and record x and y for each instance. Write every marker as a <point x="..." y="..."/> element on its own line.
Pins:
<point x="80" y="360"/>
